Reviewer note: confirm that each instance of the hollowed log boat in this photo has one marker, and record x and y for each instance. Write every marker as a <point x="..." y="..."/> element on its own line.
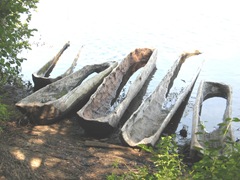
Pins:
<point x="102" y="113"/>
<point x="50" y="103"/>
<point x="41" y="78"/>
<point x="216" y="138"/>
<point x="151" y="118"/>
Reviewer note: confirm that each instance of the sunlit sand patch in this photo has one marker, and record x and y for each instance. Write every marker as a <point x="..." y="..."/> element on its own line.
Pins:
<point x="40" y="130"/>
<point x="36" y="133"/>
<point x="51" y="162"/>
<point x="114" y="161"/>
<point x="63" y="131"/>
<point x="37" y="141"/>
<point x="53" y="130"/>
<point x="18" y="154"/>
<point x="35" y="163"/>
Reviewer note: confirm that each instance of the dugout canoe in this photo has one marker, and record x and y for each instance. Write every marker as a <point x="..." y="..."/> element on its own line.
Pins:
<point x="102" y="113"/>
<point x="41" y="78"/>
<point x="149" y="121"/>
<point x="200" y="136"/>
<point x="50" y="103"/>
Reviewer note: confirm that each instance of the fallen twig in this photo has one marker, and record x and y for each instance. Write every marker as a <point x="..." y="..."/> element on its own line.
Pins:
<point x="106" y="145"/>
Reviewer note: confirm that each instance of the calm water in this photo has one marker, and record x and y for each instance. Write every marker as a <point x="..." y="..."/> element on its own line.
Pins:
<point x="109" y="30"/>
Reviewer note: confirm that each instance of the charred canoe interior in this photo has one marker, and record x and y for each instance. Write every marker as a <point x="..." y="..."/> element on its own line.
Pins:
<point x="148" y="122"/>
<point x="200" y="136"/>
<point x="52" y="102"/>
<point x="103" y="112"/>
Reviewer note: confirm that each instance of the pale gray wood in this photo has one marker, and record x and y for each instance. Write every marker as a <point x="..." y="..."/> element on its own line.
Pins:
<point x="73" y="65"/>
<point x="148" y="122"/>
<point x="200" y="136"/>
<point x="41" y="77"/>
<point x="49" y="66"/>
<point x="99" y="108"/>
<point x="60" y="97"/>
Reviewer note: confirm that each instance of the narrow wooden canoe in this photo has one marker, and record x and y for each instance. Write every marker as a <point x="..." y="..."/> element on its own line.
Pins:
<point x="41" y="78"/>
<point x="55" y="100"/>
<point x="148" y="122"/>
<point x="215" y="138"/>
<point x="104" y="110"/>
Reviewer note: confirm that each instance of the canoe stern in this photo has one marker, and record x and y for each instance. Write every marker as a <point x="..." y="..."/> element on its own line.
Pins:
<point x="39" y="113"/>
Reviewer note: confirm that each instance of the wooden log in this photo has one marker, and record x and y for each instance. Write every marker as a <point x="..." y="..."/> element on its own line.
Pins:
<point x="103" y="111"/>
<point x="48" y="67"/>
<point x="41" y="77"/>
<point x="74" y="63"/>
<point x="51" y="103"/>
<point x="148" y="122"/>
<point x="100" y="144"/>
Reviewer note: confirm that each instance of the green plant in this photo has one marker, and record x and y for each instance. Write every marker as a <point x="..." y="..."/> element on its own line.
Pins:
<point x="167" y="159"/>
<point x="4" y="114"/>
<point x="14" y="34"/>
<point x="167" y="163"/>
<point x="215" y="165"/>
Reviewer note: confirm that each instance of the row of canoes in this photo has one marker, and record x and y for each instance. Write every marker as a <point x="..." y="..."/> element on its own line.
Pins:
<point x="94" y="93"/>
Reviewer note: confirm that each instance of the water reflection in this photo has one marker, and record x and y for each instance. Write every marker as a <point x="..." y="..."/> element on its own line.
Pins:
<point x="212" y="112"/>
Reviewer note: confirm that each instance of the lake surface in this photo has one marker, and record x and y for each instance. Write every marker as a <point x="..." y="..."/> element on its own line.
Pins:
<point x="109" y="30"/>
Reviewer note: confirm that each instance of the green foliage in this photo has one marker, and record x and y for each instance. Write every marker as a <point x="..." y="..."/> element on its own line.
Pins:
<point x="4" y="115"/>
<point x="116" y="164"/>
<point x="140" y="173"/>
<point x="167" y="163"/>
<point x="215" y="165"/>
<point x="14" y="34"/>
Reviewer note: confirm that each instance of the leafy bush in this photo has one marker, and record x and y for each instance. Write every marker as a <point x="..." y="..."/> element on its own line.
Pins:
<point x="167" y="160"/>
<point x="215" y="165"/>
<point x="14" y="35"/>
<point x="4" y="115"/>
<point x="168" y="163"/>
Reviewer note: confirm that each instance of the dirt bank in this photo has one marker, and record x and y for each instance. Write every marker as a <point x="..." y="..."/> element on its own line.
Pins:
<point x="59" y="151"/>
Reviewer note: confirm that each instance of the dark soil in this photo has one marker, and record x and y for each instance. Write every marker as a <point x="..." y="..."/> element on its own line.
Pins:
<point x="59" y="151"/>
